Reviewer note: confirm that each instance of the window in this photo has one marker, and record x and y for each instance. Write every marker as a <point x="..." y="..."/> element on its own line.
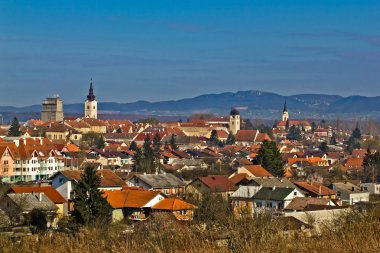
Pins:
<point x="295" y="193"/>
<point x="259" y="204"/>
<point x="88" y="107"/>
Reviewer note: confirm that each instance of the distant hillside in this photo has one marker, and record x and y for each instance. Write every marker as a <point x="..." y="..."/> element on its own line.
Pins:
<point x="253" y="104"/>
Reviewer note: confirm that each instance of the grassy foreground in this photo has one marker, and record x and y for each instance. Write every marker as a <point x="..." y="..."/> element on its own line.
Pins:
<point x="354" y="232"/>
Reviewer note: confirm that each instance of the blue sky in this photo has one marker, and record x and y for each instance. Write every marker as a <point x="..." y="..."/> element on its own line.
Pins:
<point x="163" y="50"/>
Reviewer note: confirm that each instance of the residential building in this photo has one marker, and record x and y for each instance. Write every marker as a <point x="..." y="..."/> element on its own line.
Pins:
<point x="180" y="209"/>
<point x="49" y="191"/>
<point x="168" y="183"/>
<point x="19" y="207"/>
<point x="315" y="189"/>
<point x="218" y="184"/>
<point x="132" y="204"/>
<point x="372" y="188"/>
<point x="66" y="181"/>
<point x="349" y="193"/>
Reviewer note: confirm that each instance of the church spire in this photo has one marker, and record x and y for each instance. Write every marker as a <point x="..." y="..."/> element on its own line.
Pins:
<point x="285" y="113"/>
<point x="91" y="96"/>
<point x="285" y="106"/>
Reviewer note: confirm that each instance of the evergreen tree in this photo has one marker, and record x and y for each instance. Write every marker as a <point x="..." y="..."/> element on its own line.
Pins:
<point x="137" y="160"/>
<point x="173" y="142"/>
<point x="354" y="141"/>
<point x="265" y="129"/>
<point x="352" y="144"/>
<point x="231" y="139"/>
<point x="90" y="207"/>
<point x="148" y="156"/>
<point x="287" y="125"/>
<point x="133" y="146"/>
<point x="356" y="133"/>
<point x="323" y="147"/>
<point x="313" y="126"/>
<point x="323" y="123"/>
<point x="14" y="130"/>
<point x="157" y="150"/>
<point x="100" y="143"/>
<point x="294" y="134"/>
<point x="371" y="164"/>
<point x="214" y="140"/>
<point x="333" y="139"/>
<point x="166" y="145"/>
<point x="269" y="157"/>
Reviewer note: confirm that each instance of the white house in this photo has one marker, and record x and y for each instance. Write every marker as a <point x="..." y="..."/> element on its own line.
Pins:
<point x="373" y="188"/>
<point x="350" y="193"/>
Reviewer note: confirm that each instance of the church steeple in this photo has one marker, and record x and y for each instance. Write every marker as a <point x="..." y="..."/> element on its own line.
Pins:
<point x="285" y="113"/>
<point x="285" y="106"/>
<point x="91" y="96"/>
<point x="91" y="105"/>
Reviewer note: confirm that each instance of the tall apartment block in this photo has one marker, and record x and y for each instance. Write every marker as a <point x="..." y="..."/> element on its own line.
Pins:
<point x="52" y="109"/>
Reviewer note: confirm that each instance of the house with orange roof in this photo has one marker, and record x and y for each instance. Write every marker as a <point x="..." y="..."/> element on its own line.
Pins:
<point x="250" y="137"/>
<point x="49" y="191"/>
<point x="181" y="210"/>
<point x="66" y="181"/>
<point x="353" y="164"/>
<point x="252" y="171"/>
<point x="307" y="161"/>
<point x="78" y="125"/>
<point x="212" y="184"/>
<point x="132" y="204"/>
<point x="96" y="125"/>
<point x="7" y="164"/>
<point x="315" y="189"/>
<point x="303" y="124"/>
<point x="35" y="158"/>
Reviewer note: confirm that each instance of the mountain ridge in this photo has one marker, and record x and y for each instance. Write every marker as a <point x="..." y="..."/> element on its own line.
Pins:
<point x="257" y="103"/>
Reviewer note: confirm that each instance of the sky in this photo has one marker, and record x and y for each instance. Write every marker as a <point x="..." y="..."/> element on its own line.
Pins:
<point x="168" y="50"/>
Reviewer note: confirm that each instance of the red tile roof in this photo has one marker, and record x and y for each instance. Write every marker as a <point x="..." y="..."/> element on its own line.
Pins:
<point x="238" y="178"/>
<point x="218" y="183"/>
<point x="109" y="178"/>
<point x="129" y="198"/>
<point x="258" y="171"/>
<point x="246" y="135"/>
<point x="49" y="191"/>
<point x="315" y="188"/>
<point x="173" y="204"/>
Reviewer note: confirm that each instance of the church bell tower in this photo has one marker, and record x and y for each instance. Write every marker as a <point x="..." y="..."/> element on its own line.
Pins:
<point x="285" y="113"/>
<point x="91" y="105"/>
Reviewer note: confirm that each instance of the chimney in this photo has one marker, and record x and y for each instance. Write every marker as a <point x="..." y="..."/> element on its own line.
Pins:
<point x="40" y="196"/>
<point x="273" y="188"/>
